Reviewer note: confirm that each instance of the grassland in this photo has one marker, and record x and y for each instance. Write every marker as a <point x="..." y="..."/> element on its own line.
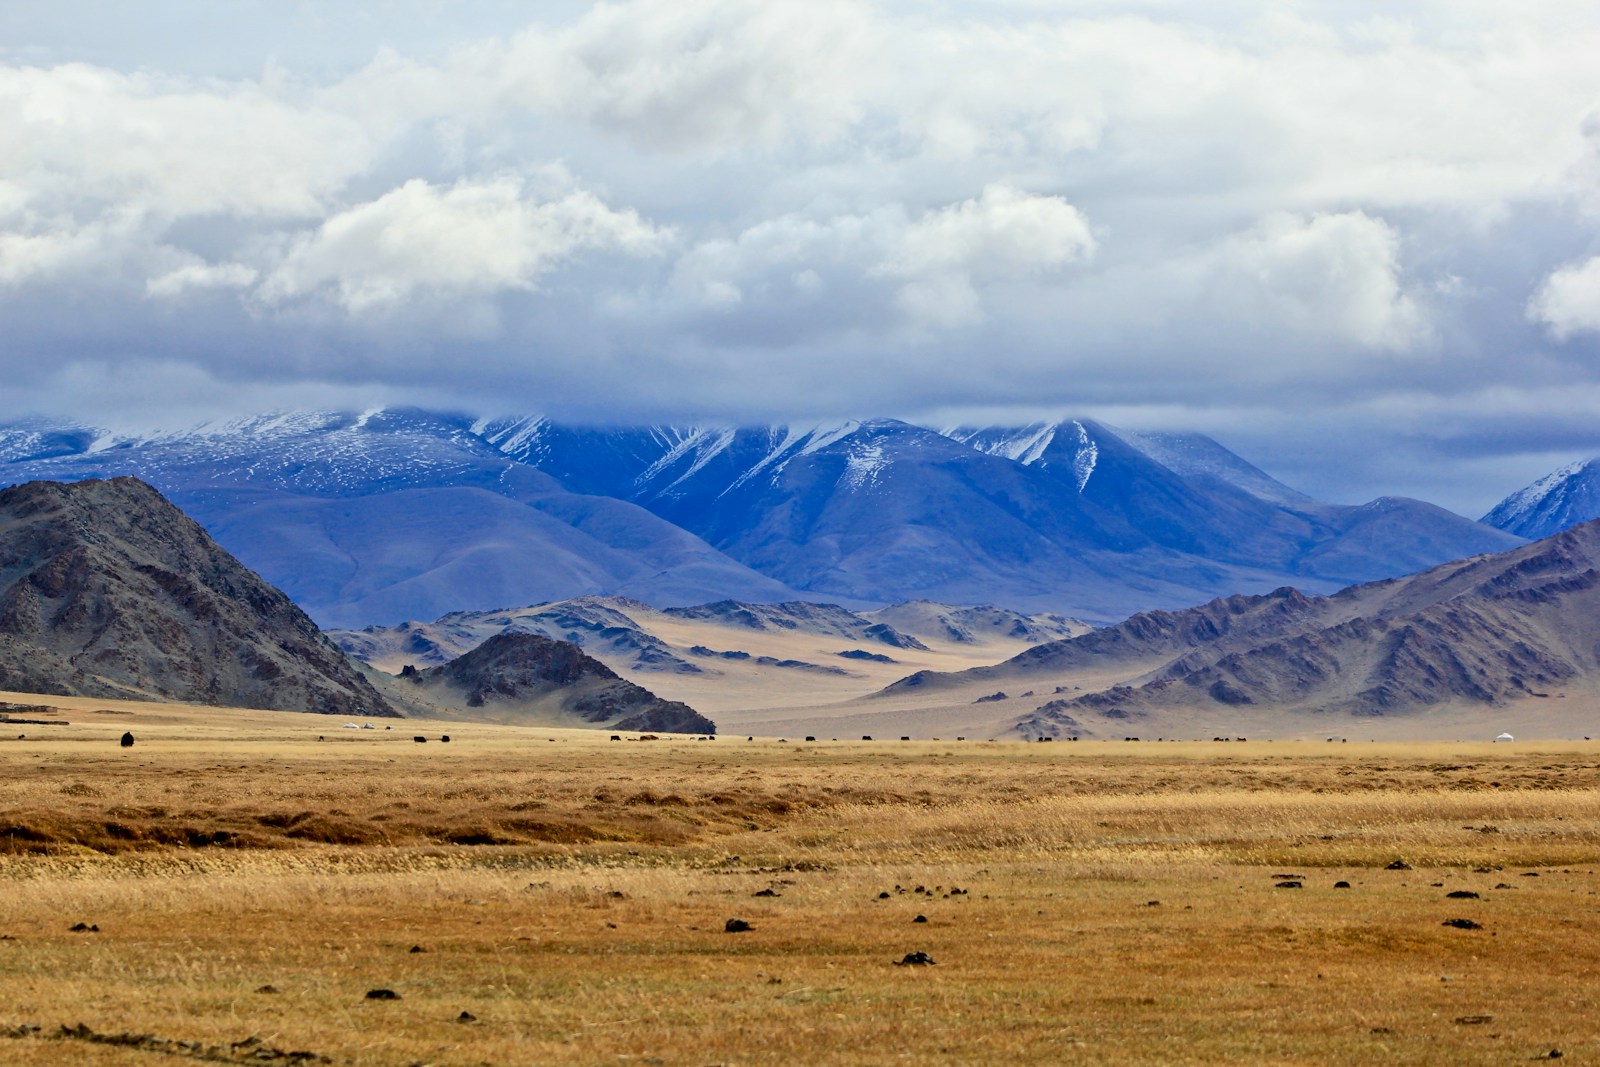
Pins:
<point x="1117" y="902"/>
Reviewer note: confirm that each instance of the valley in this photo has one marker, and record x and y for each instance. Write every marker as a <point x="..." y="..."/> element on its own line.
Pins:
<point x="245" y="888"/>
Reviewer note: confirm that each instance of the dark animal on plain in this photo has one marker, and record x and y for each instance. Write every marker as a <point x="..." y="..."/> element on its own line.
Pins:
<point x="419" y="739"/>
<point x="127" y="740"/>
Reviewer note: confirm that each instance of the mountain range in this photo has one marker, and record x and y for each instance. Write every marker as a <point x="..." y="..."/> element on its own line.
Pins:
<point x="1490" y="631"/>
<point x="108" y="590"/>
<point x="393" y="515"/>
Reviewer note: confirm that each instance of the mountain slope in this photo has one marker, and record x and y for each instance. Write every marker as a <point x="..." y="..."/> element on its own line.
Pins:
<point x="1187" y="494"/>
<point x="1560" y="499"/>
<point x="1481" y="631"/>
<point x="396" y="514"/>
<point x="108" y="590"/>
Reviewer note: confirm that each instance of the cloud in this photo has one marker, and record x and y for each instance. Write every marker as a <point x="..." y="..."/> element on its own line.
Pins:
<point x="1568" y="303"/>
<point x="705" y="76"/>
<point x="885" y="270"/>
<point x="202" y="276"/>
<point x="1322" y="275"/>
<point x="81" y="140"/>
<point x="743" y="207"/>
<point x="471" y="238"/>
<point x="1003" y="234"/>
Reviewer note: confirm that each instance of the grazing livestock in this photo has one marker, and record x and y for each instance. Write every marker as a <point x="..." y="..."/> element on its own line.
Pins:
<point x="419" y="739"/>
<point x="127" y="740"/>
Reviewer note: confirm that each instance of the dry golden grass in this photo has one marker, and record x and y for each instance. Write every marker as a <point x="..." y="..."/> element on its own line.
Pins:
<point x="1120" y="901"/>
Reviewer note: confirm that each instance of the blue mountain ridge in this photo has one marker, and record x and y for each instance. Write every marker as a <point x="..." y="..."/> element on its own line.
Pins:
<point x="397" y="514"/>
<point x="1558" y="501"/>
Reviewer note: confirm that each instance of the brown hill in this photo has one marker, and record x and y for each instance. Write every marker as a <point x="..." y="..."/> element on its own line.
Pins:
<point x="1509" y="630"/>
<point x="107" y="590"/>
<point x="520" y="677"/>
<point x="1485" y="631"/>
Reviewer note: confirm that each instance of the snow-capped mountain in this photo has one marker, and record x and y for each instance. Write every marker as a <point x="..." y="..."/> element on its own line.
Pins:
<point x="392" y="515"/>
<point x="1560" y="499"/>
<point x="386" y="515"/>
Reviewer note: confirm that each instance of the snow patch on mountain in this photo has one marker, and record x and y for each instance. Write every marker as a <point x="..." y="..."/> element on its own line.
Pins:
<point x="862" y="467"/>
<point x="701" y="447"/>
<point x="1560" y="499"/>
<point x="1087" y="456"/>
<point x="1525" y="501"/>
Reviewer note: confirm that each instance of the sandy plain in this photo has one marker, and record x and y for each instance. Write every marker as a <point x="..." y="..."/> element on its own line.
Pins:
<point x="1084" y="902"/>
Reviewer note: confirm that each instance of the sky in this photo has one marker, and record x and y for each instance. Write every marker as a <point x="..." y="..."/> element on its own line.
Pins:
<point x="1358" y="243"/>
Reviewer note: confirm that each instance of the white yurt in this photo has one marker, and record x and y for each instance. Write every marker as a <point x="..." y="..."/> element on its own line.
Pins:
<point x="1505" y="737"/>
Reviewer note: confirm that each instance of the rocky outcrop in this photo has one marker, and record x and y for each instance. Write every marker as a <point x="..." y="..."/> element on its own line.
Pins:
<point x="108" y="590"/>
<point x="512" y="676"/>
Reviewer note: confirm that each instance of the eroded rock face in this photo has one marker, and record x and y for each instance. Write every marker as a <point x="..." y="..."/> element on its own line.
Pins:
<point x="108" y="590"/>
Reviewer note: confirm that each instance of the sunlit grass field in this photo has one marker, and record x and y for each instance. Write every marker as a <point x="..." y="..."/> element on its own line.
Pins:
<point x="557" y="897"/>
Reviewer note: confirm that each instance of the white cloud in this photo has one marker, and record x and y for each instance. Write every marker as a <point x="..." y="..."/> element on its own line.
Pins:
<point x="201" y="276"/>
<point x="80" y="138"/>
<point x="43" y="250"/>
<point x="1568" y="302"/>
<point x="884" y="268"/>
<point x="1333" y="275"/>
<point x="946" y="255"/>
<point x="707" y="76"/>
<point x="470" y="238"/>
<point x="1001" y="233"/>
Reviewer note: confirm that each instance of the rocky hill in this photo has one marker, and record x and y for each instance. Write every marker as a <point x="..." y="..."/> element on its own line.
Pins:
<point x="521" y="677"/>
<point x="1482" y="631"/>
<point x="108" y="590"/>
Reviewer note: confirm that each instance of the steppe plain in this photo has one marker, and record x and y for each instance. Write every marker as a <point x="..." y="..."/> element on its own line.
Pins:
<point x="543" y="896"/>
